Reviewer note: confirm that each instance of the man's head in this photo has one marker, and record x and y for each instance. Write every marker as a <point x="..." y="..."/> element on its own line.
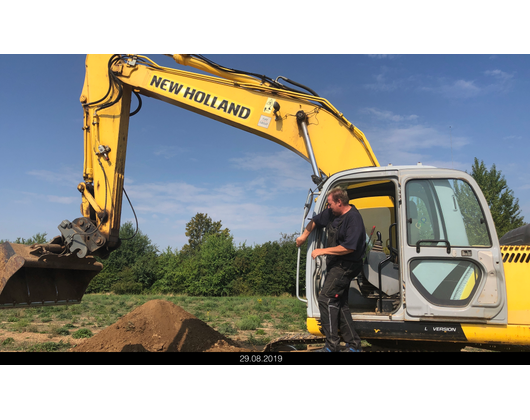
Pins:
<point x="338" y="201"/>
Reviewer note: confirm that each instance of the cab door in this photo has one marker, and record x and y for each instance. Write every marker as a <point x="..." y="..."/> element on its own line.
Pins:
<point x="452" y="267"/>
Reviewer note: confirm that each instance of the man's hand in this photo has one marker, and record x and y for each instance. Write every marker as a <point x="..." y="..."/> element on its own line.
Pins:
<point x="317" y="252"/>
<point x="300" y="241"/>
<point x="305" y="234"/>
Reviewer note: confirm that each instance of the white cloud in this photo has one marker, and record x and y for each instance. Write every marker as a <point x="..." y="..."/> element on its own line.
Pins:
<point x="512" y="138"/>
<point x="169" y="151"/>
<point x="333" y="91"/>
<point x="32" y="198"/>
<point x="499" y="74"/>
<point x="485" y="82"/>
<point x="65" y="176"/>
<point x="382" y="85"/>
<point x="63" y="200"/>
<point x="461" y="88"/>
<point x="389" y="115"/>
<point x="410" y="145"/>
<point x="257" y="208"/>
<point x="455" y="89"/>
<point x="176" y="191"/>
<point x="278" y="172"/>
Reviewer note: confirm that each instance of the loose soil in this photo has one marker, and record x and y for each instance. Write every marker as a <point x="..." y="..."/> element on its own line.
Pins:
<point x="159" y="326"/>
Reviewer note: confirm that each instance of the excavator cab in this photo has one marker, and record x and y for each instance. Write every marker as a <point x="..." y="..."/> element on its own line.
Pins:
<point x="42" y="274"/>
<point x="433" y="240"/>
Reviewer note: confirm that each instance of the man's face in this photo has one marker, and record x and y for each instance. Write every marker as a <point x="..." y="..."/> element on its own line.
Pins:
<point x="335" y="206"/>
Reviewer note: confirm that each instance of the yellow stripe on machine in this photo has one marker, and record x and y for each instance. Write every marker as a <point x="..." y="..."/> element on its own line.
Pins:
<point x="516" y="260"/>
<point x="497" y="334"/>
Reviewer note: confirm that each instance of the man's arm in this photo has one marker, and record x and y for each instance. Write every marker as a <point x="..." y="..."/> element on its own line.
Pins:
<point x="302" y="238"/>
<point x="336" y="250"/>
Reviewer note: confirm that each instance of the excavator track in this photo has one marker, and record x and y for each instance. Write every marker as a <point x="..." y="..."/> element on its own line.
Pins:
<point x="282" y="343"/>
<point x="288" y="341"/>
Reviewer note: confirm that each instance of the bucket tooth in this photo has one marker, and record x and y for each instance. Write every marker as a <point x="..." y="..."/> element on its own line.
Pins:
<point x="33" y="276"/>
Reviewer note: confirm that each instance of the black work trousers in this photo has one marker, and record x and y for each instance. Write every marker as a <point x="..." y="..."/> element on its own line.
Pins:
<point x="335" y="315"/>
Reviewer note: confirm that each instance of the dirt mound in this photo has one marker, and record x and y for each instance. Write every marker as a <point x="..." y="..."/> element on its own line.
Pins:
<point x="158" y="326"/>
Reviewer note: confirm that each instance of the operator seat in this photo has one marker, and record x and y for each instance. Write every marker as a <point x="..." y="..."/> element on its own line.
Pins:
<point x="390" y="272"/>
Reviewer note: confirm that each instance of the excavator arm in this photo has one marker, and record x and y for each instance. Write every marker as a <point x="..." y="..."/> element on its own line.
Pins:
<point x="302" y="122"/>
<point x="296" y="118"/>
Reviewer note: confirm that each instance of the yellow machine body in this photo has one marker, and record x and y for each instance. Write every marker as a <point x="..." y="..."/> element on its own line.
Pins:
<point x="308" y="125"/>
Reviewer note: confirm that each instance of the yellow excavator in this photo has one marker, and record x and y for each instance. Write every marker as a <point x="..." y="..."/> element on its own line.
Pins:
<point x="434" y="271"/>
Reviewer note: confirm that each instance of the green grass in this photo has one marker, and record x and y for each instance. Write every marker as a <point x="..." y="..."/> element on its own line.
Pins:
<point x="49" y="346"/>
<point x="82" y="333"/>
<point x="251" y="320"/>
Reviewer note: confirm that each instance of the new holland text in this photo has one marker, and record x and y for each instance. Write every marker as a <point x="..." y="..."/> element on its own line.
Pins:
<point x="201" y="97"/>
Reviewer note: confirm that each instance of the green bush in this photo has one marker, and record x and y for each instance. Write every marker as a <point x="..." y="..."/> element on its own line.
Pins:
<point x="226" y="329"/>
<point x="250" y="322"/>
<point x="174" y="271"/>
<point x="136" y="254"/>
<point x="8" y="341"/>
<point x="82" y="333"/>
<point x="127" y="288"/>
<point x="215" y="270"/>
<point x="102" y="283"/>
<point x="50" y="346"/>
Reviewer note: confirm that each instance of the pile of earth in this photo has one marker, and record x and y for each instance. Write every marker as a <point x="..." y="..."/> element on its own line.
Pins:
<point x="159" y="326"/>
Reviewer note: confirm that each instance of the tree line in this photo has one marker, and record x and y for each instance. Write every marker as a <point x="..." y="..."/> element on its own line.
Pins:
<point x="210" y="264"/>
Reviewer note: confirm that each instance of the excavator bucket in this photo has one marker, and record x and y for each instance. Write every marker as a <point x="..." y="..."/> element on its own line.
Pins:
<point x="31" y="275"/>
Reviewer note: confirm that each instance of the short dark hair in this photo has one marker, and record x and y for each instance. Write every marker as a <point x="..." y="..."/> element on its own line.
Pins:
<point x="339" y="194"/>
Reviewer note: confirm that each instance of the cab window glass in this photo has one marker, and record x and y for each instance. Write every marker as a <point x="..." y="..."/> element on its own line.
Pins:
<point x="445" y="282"/>
<point x="445" y="209"/>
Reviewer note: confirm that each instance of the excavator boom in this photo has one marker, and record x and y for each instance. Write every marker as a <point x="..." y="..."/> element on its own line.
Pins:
<point x="306" y="124"/>
<point x="296" y="118"/>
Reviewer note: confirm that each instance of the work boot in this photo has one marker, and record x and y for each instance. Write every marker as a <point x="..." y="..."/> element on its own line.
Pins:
<point x="351" y="349"/>
<point x="324" y="350"/>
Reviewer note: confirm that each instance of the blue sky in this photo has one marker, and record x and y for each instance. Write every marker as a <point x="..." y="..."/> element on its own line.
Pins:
<point x="179" y="163"/>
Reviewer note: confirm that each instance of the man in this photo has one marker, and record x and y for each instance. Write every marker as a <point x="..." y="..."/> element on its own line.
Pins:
<point x="346" y="243"/>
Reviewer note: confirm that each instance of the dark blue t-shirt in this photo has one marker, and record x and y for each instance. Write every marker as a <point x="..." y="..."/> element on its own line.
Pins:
<point x="351" y="234"/>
